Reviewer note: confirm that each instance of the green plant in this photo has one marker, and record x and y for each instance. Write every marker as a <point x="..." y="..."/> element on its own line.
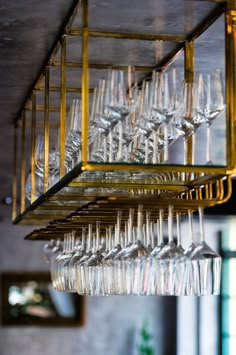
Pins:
<point x="144" y="347"/>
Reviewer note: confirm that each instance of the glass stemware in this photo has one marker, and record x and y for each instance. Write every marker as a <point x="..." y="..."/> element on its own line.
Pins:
<point x="170" y="259"/>
<point x="187" y="121"/>
<point x="191" y="275"/>
<point x="53" y="159"/>
<point x="73" y="134"/>
<point x="166" y="103"/>
<point x="48" y="250"/>
<point x="109" y="280"/>
<point x="75" y="259"/>
<point x="209" y="263"/>
<point x="125" y="261"/>
<point x="210" y="102"/>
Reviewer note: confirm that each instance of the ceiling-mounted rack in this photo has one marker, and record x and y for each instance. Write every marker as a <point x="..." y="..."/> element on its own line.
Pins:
<point x="101" y="187"/>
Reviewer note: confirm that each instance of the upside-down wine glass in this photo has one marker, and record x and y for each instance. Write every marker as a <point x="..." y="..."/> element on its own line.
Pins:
<point x="209" y="263"/>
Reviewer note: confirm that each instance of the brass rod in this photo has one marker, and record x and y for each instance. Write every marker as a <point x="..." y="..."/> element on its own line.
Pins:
<point x="63" y="107"/>
<point x="189" y="62"/>
<point x="46" y="216"/>
<point x="131" y="36"/>
<point x="207" y="191"/>
<point x="14" y="182"/>
<point x="230" y="77"/>
<point x="150" y="203"/>
<point x="33" y="141"/>
<point x="23" y="163"/>
<point x="130" y="186"/>
<point x="155" y="169"/>
<point x="189" y="78"/>
<point x="46" y="130"/>
<point x="59" y="208"/>
<point x="71" y="197"/>
<point x="85" y="83"/>
<point x="139" y="68"/>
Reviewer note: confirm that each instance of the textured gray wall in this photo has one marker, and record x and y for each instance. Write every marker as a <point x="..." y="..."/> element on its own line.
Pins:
<point x="112" y="322"/>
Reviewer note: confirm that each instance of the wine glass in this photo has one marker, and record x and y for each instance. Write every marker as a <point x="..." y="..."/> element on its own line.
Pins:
<point x="53" y="158"/>
<point x="210" y="102"/>
<point x="39" y="187"/>
<point x="208" y="263"/>
<point x="92" y="267"/>
<point x="191" y="275"/>
<point x="48" y="250"/>
<point x="80" y="250"/>
<point x="109" y="277"/>
<point x="138" y="256"/>
<point x="187" y="121"/>
<point x="80" y="272"/>
<point x="73" y="134"/>
<point x="171" y="258"/>
<point x="166" y="103"/>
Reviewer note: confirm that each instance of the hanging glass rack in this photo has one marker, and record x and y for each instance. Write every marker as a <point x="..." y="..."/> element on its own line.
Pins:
<point x="83" y="194"/>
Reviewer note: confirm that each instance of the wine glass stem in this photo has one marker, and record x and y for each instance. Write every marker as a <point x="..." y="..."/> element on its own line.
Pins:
<point x="178" y="229"/>
<point x="148" y="229"/>
<point x="131" y="223"/>
<point x="166" y="146"/>
<point x="120" y="147"/>
<point x="105" y="149"/>
<point x="190" y="219"/>
<point x="170" y="224"/>
<point x="110" y="238"/>
<point x="110" y="146"/>
<point x="154" y="148"/>
<point x="90" y="233"/>
<point x="201" y="221"/>
<point x="140" y="221"/>
<point x="208" y="152"/>
<point x="161" y="216"/>
<point x="185" y="151"/>
<point x="185" y="157"/>
<point x="146" y="149"/>
<point x="193" y="148"/>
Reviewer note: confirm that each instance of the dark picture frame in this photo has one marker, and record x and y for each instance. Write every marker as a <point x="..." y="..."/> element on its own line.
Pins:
<point x="45" y="308"/>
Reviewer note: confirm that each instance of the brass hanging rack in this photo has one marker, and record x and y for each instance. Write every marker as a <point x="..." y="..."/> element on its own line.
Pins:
<point x="67" y="203"/>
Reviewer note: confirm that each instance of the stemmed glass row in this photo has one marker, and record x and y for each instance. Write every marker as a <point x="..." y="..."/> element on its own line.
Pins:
<point x="136" y="124"/>
<point x="131" y="257"/>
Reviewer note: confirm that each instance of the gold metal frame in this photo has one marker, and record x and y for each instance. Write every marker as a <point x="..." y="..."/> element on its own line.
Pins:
<point x="203" y="184"/>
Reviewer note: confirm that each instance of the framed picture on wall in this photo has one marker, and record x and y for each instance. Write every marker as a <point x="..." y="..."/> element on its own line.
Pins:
<point x="29" y="299"/>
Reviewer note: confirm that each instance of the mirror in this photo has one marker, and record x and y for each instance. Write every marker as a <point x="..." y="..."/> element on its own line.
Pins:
<point x="28" y="298"/>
